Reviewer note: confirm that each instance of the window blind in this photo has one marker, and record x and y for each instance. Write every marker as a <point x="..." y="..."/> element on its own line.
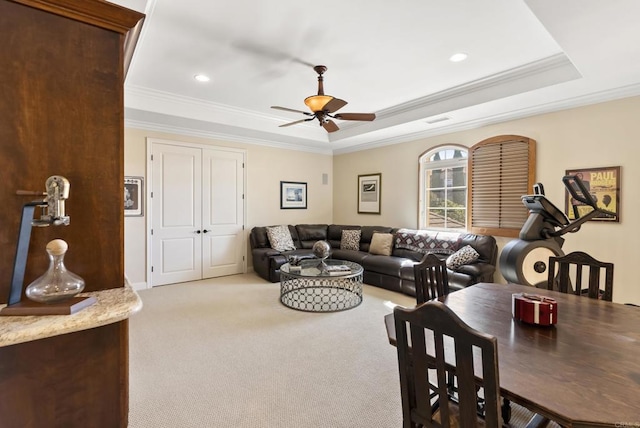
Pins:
<point x="502" y="170"/>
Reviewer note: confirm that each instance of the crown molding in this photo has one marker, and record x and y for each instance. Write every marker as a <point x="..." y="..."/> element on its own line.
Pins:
<point x="533" y="76"/>
<point x="564" y="104"/>
<point x="553" y="64"/>
<point x="221" y="136"/>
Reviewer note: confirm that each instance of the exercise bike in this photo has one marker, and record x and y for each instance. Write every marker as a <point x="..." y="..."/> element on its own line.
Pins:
<point x="525" y="260"/>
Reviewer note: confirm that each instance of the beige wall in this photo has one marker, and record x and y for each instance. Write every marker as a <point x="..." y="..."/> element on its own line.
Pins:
<point x="599" y="135"/>
<point x="592" y="136"/>
<point x="265" y="168"/>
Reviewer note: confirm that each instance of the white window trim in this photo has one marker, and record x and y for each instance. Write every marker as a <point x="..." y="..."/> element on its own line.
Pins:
<point x="445" y="163"/>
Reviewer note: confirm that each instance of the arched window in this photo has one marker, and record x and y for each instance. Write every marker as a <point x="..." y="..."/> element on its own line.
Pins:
<point x="443" y="188"/>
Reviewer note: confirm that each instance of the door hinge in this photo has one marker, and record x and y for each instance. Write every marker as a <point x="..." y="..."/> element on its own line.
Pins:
<point x="152" y="157"/>
<point x="151" y="268"/>
<point x="242" y="258"/>
<point x="243" y="164"/>
<point x="243" y="196"/>
<point x="243" y="227"/>
<point x="152" y="231"/>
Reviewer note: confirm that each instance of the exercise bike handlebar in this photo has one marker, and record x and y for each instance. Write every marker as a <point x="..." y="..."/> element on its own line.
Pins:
<point x="579" y="192"/>
<point x="547" y="221"/>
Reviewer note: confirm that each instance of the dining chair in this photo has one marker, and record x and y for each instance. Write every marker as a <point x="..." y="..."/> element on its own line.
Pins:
<point x="431" y="279"/>
<point x="432" y="335"/>
<point x="568" y="279"/>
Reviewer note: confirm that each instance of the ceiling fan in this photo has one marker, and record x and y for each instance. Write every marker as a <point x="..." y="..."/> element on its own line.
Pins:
<point x="323" y="106"/>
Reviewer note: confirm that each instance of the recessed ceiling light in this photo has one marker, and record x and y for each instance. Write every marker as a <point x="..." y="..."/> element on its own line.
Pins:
<point x="461" y="56"/>
<point x="202" y="77"/>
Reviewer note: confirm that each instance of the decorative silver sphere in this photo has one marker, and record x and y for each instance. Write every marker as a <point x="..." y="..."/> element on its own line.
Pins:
<point x="321" y="249"/>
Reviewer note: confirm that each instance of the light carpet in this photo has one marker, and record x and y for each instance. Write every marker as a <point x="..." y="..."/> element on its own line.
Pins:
<point x="225" y="352"/>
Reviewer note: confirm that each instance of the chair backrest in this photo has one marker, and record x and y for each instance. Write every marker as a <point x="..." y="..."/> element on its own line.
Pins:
<point x="566" y="277"/>
<point x="427" y="337"/>
<point x="431" y="278"/>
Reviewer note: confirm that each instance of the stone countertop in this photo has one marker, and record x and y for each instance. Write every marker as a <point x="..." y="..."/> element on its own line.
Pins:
<point x="112" y="305"/>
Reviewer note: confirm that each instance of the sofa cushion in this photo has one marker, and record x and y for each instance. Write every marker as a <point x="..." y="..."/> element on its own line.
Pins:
<point x="349" y="255"/>
<point x="381" y="243"/>
<point x="309" y="234"/>
<point x="485" y="245"/>
<point x="463" y="256"/>
<point x="280" y="238"/>
<point x="407" y="254"/>
<point x="387" y="265"/>
<point x="350" y="240"/>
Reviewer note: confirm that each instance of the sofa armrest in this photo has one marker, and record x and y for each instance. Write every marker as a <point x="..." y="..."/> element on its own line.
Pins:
<point x="266" y="252"/>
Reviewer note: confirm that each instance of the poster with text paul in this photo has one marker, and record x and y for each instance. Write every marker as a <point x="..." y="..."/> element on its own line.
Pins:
<point x="604" y="185"/>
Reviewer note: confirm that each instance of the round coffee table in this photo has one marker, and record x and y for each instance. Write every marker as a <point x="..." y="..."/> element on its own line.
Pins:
<point x="315" y="288"/>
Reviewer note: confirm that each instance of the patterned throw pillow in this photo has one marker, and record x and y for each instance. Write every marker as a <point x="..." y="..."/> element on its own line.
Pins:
<point x="280" y="238"/>
<point x="463" y="256"/>
<point x="350" y="240"/>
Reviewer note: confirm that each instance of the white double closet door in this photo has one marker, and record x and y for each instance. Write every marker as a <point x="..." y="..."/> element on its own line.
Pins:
<point x="197" y="213"/>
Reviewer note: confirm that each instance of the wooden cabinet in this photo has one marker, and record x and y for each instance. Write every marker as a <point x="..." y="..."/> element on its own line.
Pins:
<point x="62" y="68"/>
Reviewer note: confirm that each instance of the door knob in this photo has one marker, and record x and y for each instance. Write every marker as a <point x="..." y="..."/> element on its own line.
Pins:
<point x="205" y="231"/>
<point x="197" y="231"/>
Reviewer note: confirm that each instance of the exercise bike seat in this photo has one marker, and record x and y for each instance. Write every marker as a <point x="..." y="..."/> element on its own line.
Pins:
<point x="539" y="204"/>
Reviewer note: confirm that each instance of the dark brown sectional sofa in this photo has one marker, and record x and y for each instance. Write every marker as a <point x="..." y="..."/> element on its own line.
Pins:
<point x="394" y="272"/>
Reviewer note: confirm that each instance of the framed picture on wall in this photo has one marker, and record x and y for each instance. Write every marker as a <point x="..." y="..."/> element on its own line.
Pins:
<point x="293" y="195"/>
<point x="604" y="185"/>
<point x="369" y="193"/>
<point x="133" y="196"/>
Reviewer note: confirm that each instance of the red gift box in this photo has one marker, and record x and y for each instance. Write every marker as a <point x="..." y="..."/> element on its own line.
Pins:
<point x="534" y="309"/>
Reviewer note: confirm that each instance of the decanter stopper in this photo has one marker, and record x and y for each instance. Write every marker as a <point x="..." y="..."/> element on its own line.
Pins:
<point x="57" y="283"/>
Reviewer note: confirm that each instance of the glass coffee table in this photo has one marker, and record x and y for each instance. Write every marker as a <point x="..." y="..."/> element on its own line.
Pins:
<point x="316" y="288"/>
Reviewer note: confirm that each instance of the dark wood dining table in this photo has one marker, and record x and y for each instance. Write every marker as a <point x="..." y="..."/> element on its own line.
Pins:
<point x="582" y="372"/>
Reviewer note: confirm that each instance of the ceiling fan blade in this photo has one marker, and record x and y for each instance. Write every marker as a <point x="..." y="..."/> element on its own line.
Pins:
<point x="294" y="123"/>
<point x="293" y="110"/>
<point x="330" y="126"/>
<point x="334" y="105"/>
<point x="356" y="116"/>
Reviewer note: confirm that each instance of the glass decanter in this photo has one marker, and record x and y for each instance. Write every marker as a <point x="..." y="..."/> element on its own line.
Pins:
<point x="57" y="283"/>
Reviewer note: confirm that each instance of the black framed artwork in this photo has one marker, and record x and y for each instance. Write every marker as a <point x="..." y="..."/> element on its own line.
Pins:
<point x="133" y="196"/>
<point x="293" y="195"/>
<point x="369" y="193"/>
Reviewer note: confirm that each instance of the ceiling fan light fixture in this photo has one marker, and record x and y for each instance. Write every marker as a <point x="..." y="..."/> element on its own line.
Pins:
<point x="322" y="107"/>
<point x="317" y="102"/>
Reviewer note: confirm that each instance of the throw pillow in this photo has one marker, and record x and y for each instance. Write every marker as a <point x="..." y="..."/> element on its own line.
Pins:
<point x="280" y="238"/>
<point x="350" y="240"/>
<point x="381" y="243"/>
<point x="463" y="256"/>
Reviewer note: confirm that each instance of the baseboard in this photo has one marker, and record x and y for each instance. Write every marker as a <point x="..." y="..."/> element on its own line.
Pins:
<point x="139" y="286"/>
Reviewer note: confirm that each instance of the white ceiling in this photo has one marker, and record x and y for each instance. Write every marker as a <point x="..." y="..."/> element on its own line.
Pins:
<point x="525" y="57"/>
